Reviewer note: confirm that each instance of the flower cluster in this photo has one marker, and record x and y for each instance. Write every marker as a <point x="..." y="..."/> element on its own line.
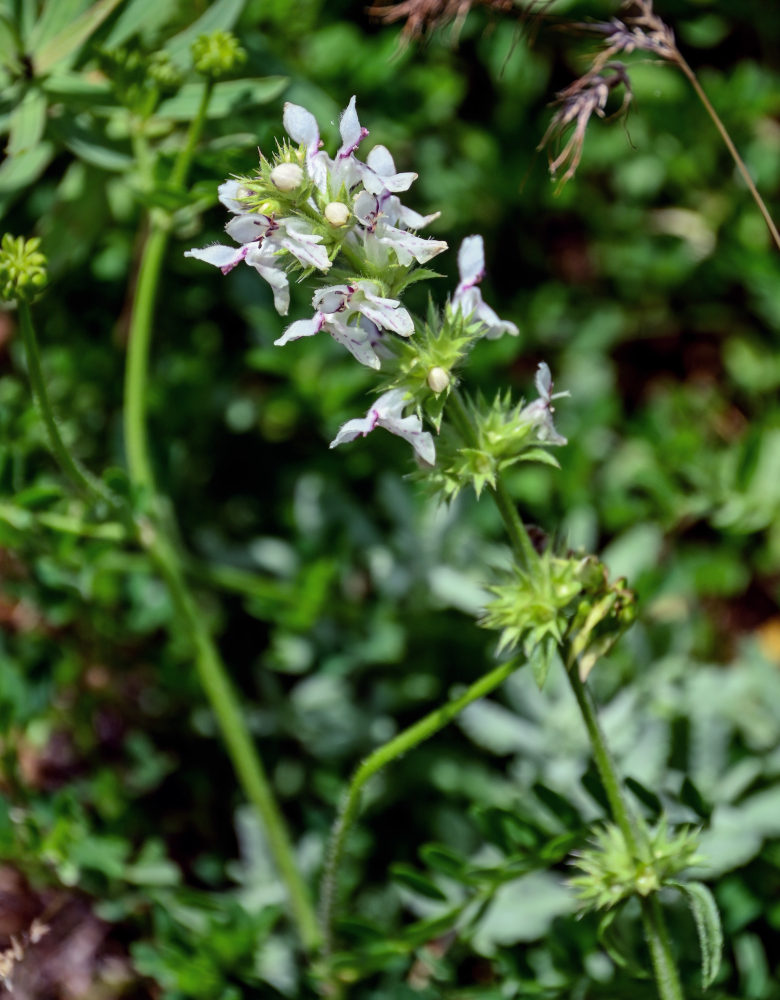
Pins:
<point x="22" y="268"/>
<point x="341" y="216"/>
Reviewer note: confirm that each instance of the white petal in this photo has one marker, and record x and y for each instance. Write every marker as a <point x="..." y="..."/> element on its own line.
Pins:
<point x="413" y="220"/>
<point x="380" y="161"/>
<point x="410" y="429"/>
<point x="301" y="126"/>
<point x="331" y="299"/>
<point x="355" y="339"/>
<point x="248" y="228"/>
<point x="304" y="248"/>
<point x="543" y="381"/>
<point x="301" y="328"/>
<point x="408" y="247"/>
<point x="220" y="256"/>
<point x="366" y="208"/>
<point x="264" y="264"/>
<point x="471" y="260"/>
<point x="352" y="134"/>
<point x="228" y="195"/>
<point x="354" y="428"/>
<point x="390" y="404"/>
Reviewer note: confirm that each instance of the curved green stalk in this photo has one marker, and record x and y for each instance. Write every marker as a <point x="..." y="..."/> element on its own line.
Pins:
<point x="235" y="734"/>
<point x="81" y="478"/>
<point x="729" y="143"/>
<point x="380" y="758"/>
<point x="664" y="966"/>
<point x="156" y="538"/>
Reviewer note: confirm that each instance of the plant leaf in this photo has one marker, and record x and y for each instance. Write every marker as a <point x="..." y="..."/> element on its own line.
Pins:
<point x="708" y="926"/>
<point x="28" y="121"/>
<point x="138" y="15"/>
<point x="72" y="36"/>
<point x="411" y="879"/>
<point x="219" y="16"/>
<point x="226" y="97"/>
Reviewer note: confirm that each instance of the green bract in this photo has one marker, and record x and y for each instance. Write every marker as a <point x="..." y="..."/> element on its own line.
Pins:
<point x="563" y="600"/>
<point x="22" y="268"/>
<point x="612" y="872"/>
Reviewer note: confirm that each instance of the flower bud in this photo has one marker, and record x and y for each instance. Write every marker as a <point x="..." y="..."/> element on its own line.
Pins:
<point x="287" y="176"/>
<point x="22" y="268"/>
<point x="438" y="379"/>
<point x="217" y="53"/>
<point x="337" y="214"/>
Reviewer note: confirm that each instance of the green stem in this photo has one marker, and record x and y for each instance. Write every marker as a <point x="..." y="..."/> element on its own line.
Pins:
<point x="664" y="966"/>
<point x="156" y="536"/>
<point x="380" y="758"/>
<point x="724" y="134"/>
<point x="81" y="479"/>
<point x="518" y="536"/>
<point x="618" y="806"/>
<point x="235" y="734"/>
<point x="23" y="519"/>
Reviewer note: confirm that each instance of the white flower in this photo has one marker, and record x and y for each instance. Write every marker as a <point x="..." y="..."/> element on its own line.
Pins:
<point x="302" y="127"/>
<point x="540" y="411"/>
<point x="341" y="311"/>
<point x="263" y="239"/>
<point x="387" y="412"/>
<point x="380" y="235"/>
<point x="468" y="298"/>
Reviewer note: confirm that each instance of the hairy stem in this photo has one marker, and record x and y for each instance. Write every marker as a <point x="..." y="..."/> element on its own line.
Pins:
<point x="380" y="758"/>
<point x="724" y="134"/>
<point x="157" y="537"/>
<point x="657" y="936"/>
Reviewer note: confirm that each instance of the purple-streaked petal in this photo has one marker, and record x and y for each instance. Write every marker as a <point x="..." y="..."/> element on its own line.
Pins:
<point x="352" y="429"/>
<point x="248" y="228"/>
<point x="304" y="246"/>
<point x="301" y="328"/>
<point x="352" y="132"/>
<point x="408" y="247"/>
<point x="225" y="258"/>
<point x="263" y="263"/>
<point x="332" y="299"/>
<point x="355" y="339"/>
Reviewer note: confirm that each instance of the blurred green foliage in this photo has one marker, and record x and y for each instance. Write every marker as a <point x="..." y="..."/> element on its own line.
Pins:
<point x="344" y="602"/>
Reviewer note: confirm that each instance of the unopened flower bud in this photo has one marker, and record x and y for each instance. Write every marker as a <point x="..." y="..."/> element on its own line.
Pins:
<point x="438" y="379"/>
<point x="22" y="268"/>
<point x="287" y="176"/>
<point x="217" y="53"/>
<point x="337" y="214"/>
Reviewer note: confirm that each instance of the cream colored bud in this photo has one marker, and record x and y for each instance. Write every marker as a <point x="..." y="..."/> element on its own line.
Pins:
<point x="337" y="214"/>
<point x="438" y="379"/>
<point x="287" y="176"/>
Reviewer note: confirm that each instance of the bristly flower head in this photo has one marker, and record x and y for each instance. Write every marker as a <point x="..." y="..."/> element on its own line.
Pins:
<point x="611" y="872"/>
<point x="504" y="434"/>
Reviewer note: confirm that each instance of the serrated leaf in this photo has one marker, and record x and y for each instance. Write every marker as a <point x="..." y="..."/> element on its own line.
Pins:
<point x="218" y="16"/>
<point x="411" y="879"/>
<point x="72" y="36"/>
<point x="28" y="120"/>
<point x="227" y="96"/>
<point x="708" y="927"/>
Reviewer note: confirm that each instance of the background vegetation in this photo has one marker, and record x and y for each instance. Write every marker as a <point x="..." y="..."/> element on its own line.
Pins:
<point x="344" y="602"/>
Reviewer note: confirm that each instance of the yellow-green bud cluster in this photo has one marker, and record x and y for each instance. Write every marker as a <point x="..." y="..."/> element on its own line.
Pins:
<point x="164" y="71"/>
<point x="22" y="268"/>
<point x="611" y="872"/>
<point x="217" y="54"/>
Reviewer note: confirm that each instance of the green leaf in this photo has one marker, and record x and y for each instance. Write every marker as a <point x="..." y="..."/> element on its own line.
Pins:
<point x="21" y="171"/>
<point x="708" y="926"/>
<point x="558" y="806"/>
<point x="54" y="18"/>
<point x="444" y="860"/>
<point x="28" y="121"/>
<point x="691" y="796"/>
<point x="648" y="799"/>
<point x="72" y="36"/>
<point x="9" y="44"/>
<point x="72" y="87"/>
<point x="411" y="879"/>
<point x="139" y="16"/>
<point x="218" y="16"/>
<point x="89" y="144"/>
<point x="230" y="95"/>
